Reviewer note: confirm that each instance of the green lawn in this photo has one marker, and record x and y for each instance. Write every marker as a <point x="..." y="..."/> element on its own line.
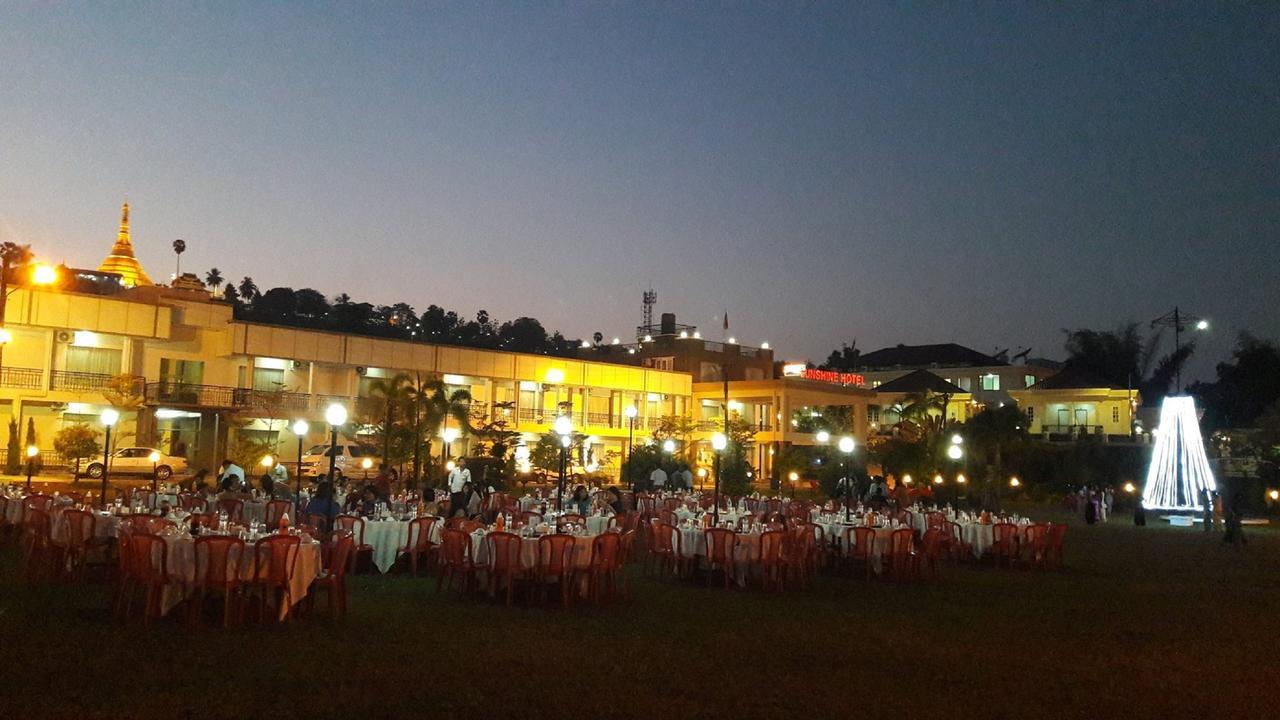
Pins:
<point x="1152" y="622"/>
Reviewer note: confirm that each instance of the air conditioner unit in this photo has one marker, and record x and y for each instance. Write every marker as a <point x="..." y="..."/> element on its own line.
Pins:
<point x="361" y="371"/>
<point x="64" y="336"/>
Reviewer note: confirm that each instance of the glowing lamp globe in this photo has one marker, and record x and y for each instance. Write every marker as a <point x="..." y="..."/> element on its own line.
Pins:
<point x="450" y="434"/>
<point x="954" y="452"/>
<point x="630" y="411"/>
<point x="823" y="437"/>
<point x="669" y="446"/>
<point x="300" y="427"/>
<point x="846" y="444"/>
<point x="563" y="425"/>
<point x="366" y="463"/>
<point x="719" y="442"/>
<point x="268" y="461"/>
<point x="109" y="417"/>
<point x="566" y="441"/>
<point x="32" y="451"/>
<point x="335" y="415"/>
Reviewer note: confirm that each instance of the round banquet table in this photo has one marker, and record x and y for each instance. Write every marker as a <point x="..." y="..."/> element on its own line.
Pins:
<point x="181" y="568"/>
<point x="581" y="558"/>
<point x="693" y="544"/>
<point x="388" y="536"/>
<point x="835" y="531"/>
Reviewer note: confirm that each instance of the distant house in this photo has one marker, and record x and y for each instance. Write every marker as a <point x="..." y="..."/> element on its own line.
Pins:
<point x="987" y="378"/>
<point x="1075" y="402"/>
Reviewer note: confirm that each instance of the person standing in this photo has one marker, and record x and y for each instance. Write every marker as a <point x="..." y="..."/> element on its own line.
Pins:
<point x="658" y="479"/>
<point x="1206" y="512"/>
<point x="459" y="478"/>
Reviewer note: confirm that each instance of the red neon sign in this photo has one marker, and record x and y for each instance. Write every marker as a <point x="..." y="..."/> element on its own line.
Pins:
<point x="831" y="376"/>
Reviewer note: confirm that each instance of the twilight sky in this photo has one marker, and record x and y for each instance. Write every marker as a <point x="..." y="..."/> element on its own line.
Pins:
<point x="985" y="174"/>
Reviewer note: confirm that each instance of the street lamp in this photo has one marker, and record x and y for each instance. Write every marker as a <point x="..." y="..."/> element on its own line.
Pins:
<point x="564" y="428"/>
<point x="669" y="446"/>
<point x="154" y="457"/>
<point x="43" y="274"/>
<point x="955" y="452"/>
<point x="718" y="443"/>
<point x="32" y="452"/>
<point x="300" y="428"/>
<point x="823" y="437"/>
<point x="1179" y="321"/>
<point x="109" y="417"/>
<point x="336" y="416"/>
<point x="365" y="464"/>
<point x="447" y="436"/>
<point x="846" y="447"/>
<point x="630" y="411"/>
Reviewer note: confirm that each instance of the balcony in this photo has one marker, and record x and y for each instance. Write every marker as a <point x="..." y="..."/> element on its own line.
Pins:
<point x="275" y="400"/>
<point x="21" y="378"/>
<point x="72" y="381"/>
<point x="192" y="395"/>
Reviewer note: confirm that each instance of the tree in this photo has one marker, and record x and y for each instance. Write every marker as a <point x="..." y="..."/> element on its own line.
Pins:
<point x="179" y="247"/>
<point x="1246" y="386"/>
<point x="991" y="432"/>
<point x="311" y="304"/>
<point x="213" y="278"/>
<point x="230" y="294"/>
<point x="13" y="461"/>
<point x="440" y="405"/>
<point x="278" y="304"/>
<point x="523" y="334"/>
<point x="1123" y="358"/>
<point x="390" y="394"/>
<point x="77" y="442"/>
<point x="545" y="454"/>
<point x="843" y="360"/>
<point x="248" y="290"/>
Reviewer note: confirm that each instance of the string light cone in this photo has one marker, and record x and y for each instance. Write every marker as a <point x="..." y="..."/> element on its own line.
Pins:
<point x="1179" y="470"/>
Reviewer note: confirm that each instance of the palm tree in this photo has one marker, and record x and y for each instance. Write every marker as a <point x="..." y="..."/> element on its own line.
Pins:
<point x="389" y="393"/>
<point x="248" y="291"/>
<point x="916" y="415"/>
<point x="179" y="247"/>
<point x="439" y="405"/>
<point x="995" y="429"/>
<point x="342" y="299"/>
<point x="213" y="279"/>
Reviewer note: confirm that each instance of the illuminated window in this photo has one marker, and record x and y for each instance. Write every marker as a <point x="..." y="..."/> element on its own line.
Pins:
<point x="1028" y="380"/>
<point x="1115" y="414"/>
<point x="1031" y="415"/>
<point x="990" y="382"/>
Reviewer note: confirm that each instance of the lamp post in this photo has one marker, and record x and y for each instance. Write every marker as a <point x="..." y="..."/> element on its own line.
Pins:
<point x="365" y="464"/>
<point x="109" y="417"/>
<point x="630" y="411"/>
<point x="154" y="457"/>
<point x="41" y="274"/>
<point x="1179" y="321"/>
<point x="267" y="462"/>
<point x="32" y="452"/>
<point x="447" y="436"/>
<point x="846" y="447"/>
<point x="336" y="416"/>
<point x="564" y="428"/>
<point x="955" y="452"/>
<point x="300" y="428"/>
<point x="718" y="443"/>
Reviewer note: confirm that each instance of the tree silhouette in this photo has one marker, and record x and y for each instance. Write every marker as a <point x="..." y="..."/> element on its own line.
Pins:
<point x="213" y="278"/>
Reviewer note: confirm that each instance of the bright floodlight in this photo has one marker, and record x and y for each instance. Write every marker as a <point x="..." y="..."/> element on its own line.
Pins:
<point x="956" y="439"/>
<point x="300" y="427"/>
<point x="563" y="425"/>
<point x="669" y="446"/>
<point x="719" y="442"/>
<point x="1179" y="472"/>
<point x="109" y="417"/>
<point x="267" y="461"/>
<point x="954" y="452"/>
<point x="630" y="411"/>
<point x="1014" y="482"/>
<point x="566" y="440"/>
<point x="846" y="444"/>
<point x="366" y="463"/>
<point x="335" y="415"/>
<point x="1202" y="325"/>
<point x="1129" y="488"/>
<point x="823" y="437"/>
<point x="32" y="451"/>
<point x="450" y="434"/>
<point x="44" y="275"/>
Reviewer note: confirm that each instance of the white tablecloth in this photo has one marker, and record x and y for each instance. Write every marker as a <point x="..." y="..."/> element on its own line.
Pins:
<point x="182" y="571"/>
<point x="529" y="551"/>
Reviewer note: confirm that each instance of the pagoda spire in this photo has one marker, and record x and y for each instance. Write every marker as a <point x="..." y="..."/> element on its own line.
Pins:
<point x="121" y="260"/>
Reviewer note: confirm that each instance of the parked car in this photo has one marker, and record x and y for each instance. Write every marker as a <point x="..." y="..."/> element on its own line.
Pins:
<point x="137" y="461"/>
<point x="315" y="462"/>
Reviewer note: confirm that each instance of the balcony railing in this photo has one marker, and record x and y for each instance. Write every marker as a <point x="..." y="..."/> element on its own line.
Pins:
<point x="190" y="394"/>
<point x="1071" y="429"/>
<point x="21" y="378"/>
<point x="74" y="381"/>
<point x="273" y="399"/>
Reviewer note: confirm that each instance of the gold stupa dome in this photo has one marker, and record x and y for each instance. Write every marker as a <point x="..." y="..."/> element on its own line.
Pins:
<point x="121" y="260"/>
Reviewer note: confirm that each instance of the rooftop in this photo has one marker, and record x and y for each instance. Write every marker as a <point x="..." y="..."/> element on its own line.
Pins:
<point x="920" y="381"/>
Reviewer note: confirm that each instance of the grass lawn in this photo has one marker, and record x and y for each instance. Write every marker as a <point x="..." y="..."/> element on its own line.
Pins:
<point x="1143" y="622"/>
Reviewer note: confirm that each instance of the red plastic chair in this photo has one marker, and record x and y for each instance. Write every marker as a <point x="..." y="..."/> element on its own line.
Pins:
<point x="504" y="561"/>
<point x="771" y="561"/>
<point x="721" y="544"/>
<point x="901" y="554"/>
<point x="275" y="559"/>
<point x="605" y="549"/>
<point x="1034" y="542"/>
<point x="75" y="542"/>
<point x="1004" y="545"/>
<point x="554" y="565"/>
<point x="955" y="541"/>
<point x="860" y="546"/>
<point x="930" y="548"/>
<point x="38" y="501"/>
<point x="233" y="508"/>
<point x="277" y="509"/>
<point x="219" y="560"/>
<point x="37" y="545"/>
<point x="455" y="559"/>
<point x="1053" y="545"/>
<point x="354" y="524"/>
<point x="333" y="578"/>
<point x="665" y="548"/>
<point x="418" y="542"/>
<point x="190" y="502"/>
<point x="148" y="568"/>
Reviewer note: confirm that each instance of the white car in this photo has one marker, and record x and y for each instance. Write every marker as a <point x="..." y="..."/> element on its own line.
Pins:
<point x="350" y="459"/>
<point x="137" y="461"/>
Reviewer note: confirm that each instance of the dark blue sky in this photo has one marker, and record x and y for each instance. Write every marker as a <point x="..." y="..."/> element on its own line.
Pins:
<point x="987" y="174"/>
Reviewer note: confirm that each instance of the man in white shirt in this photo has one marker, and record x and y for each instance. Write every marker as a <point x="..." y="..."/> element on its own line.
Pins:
<point x="459" y="476"/>
<point x="658" y="478"/>
<point x="234" y="472"/>
<point x="686" y="478"/>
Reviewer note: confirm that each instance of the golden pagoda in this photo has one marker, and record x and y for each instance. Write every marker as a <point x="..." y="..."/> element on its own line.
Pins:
<point x="121" y="260"/>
